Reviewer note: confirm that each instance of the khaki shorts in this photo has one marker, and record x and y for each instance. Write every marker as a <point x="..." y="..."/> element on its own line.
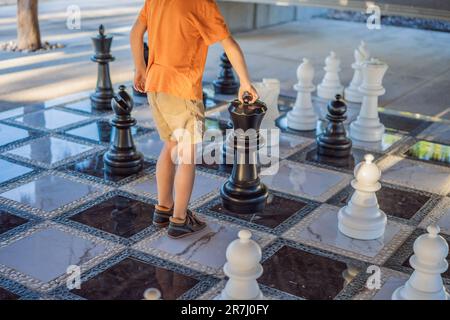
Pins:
<point x="177" y="119"/>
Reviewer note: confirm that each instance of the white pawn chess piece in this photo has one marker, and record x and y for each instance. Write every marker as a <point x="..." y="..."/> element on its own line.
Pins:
<point x="428" y="261"/>
<point x="367" y="127"/>
<point x="331" y="84"/>
<point x="362" y="218"/>
<point x="303" y="117"/>
<point x="269" y="92"/>
<point x="152" y="294"/>
<point x="351" y="93"/>
<point x="243" y="268"/>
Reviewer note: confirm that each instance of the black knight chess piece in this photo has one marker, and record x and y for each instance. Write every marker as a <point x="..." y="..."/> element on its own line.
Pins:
<point x="243" y="192"/>
<point x="122" y="158"/>
<point x="333" y="143"/>
<point x="135" y="92"/>
<point x="104" y="92"/>
<point x="226" y="82"/>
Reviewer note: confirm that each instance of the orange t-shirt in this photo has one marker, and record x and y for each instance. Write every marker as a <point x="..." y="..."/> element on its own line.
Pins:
<point x="179" y="33"/>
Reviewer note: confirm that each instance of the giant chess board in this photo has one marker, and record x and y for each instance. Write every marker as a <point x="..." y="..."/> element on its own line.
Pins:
<point x="58" y="208"/>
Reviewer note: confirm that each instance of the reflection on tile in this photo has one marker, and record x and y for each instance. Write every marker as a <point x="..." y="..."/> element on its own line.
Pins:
<point x="49" y="192"/>
<point x="303" y="274"/>
<point x="6" y="295"/>
<point x="150" y="145"/>
<point x="387" y="141"/>
<point x="307" y="181"/>
<point x="50" y="119"/>
<point x="9" y="134"/>
<point x="94" y="166"/>
<point x="119" y="215"/>
<point x="437" y="132"/>
<point x="393" y="201"/>
<point x="388" y="288"/>
<point x="324" y="229"/>
<point x="276" y="212"/>
<point x="401" y="123"/>
<point x="418" y="175"/>
<point x="203" y="185"/>
<point x="82" y="105"/>
<point x="10" y="170"/>
<point x="20" y="111"/>
<point x="208" y="247"/>
<point x="9" y="221"/>
<point x="430" y="151"/>
<point x="290" y="143"/>
<point x="49" y="150"/>
<point x="46" y="254"/>
<point x="99" y="131"/>
<point x="128" y="279"/>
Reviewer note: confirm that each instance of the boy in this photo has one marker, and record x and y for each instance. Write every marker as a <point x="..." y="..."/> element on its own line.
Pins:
<point x="179" y="33"/>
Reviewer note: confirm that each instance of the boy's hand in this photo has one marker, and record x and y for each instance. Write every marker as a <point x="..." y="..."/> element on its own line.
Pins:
<point x="250" y="89"/>
<point x="139" y="80"/>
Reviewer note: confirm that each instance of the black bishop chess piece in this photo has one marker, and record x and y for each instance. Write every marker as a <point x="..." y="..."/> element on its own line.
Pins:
<point x="104" y="92"/>
<point x="122" y="158"/>
<point x="226" y="82"/>
<point x="243" y="192"/>
<point x="135" y="92"/>
<point x="333" y="145"/>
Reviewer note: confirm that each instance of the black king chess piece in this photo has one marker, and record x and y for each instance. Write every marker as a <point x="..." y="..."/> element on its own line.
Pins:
<point x="104" y="92"/>
<point x="122" y="158"/>
<point x="333" y="144"/>
<point x="145" y="53"/>
<point x="243" y="192"/>
<point x="226" y="82"/>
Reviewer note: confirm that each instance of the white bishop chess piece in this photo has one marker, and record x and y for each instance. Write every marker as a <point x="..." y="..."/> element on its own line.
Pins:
<point x="367" y="127"/>
<point x="269" y="92"/>
<point x="331" y="84"/>
<point x="428" y="261"/>
<point x="243" y="268"/>
<point x="351" y="93"/>
<point x="362" y="218"/>
<point x="303" y="117"/>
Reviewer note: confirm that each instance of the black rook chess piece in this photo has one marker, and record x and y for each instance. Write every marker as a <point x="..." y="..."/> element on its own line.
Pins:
<point x="122" y="157"/>
<point x="135" y="92"/>
<point x="243" y="192"/>
<point x="333" y="143"/>
<point x="226" y="83"/>
<point x="101" y="99"/>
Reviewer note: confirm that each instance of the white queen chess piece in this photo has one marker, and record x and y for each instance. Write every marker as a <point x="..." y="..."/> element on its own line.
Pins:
<point x="362" y="218"/>
<point x="428" y="261"/>
<point x="351" y="93"/>
<point x="303" y="117"/>
<point x="243" y="268"/>
<point x="269" y="92"/>
<point x="367" y="127"/>
<point x="331" y="84"/>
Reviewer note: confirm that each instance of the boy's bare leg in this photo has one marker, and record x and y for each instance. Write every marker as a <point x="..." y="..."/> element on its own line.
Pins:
<point x="184" y="179"/>
<point x="165" y="175"/>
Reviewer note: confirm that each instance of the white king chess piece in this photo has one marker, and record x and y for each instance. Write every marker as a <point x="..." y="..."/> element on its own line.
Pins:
<point x="351" y="93"/>
<point x="269" y="92"/>
<point x="367" y="127"/>
<point x="331" y="84"/>
<point x="302" y="116"/>
<point x="243" y="268"/>
<point x="362" y="218"/>
<point x="428" y="261"/>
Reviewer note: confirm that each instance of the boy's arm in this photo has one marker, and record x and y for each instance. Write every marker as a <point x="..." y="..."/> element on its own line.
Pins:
<point x="236" y="57"/>
<point x="137" y="50"/>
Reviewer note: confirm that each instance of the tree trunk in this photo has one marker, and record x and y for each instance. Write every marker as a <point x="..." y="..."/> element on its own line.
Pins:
<point x="28" y="34"/>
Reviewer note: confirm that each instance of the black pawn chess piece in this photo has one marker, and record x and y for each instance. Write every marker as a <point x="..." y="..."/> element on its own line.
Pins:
<point x="333" y="143"/>
<point x="122" y="158"/>
<point x="135" y="92"/>
<point x="104" y="92"/>
<point x="226" y="82"/>
<point x="243" y="192"/>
